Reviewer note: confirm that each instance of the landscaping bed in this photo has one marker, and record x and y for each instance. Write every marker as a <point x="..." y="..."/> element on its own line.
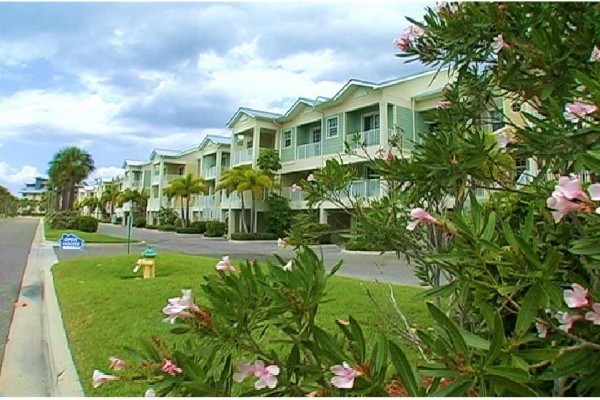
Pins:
<point x="55" y="234"/>
<point x="106" y="307"/>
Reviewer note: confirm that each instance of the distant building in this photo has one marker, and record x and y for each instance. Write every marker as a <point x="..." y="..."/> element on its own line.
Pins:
<point x="33" y="194"/>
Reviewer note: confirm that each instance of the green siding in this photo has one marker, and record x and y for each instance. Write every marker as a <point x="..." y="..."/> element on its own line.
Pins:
<point x="334" y="145"/>
<point x="289" y="154"/>
<point x="420" y="125"/>
<point x="404" y="116"/>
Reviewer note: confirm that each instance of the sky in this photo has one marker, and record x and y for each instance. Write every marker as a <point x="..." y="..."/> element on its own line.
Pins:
<point x="120" y="79"/>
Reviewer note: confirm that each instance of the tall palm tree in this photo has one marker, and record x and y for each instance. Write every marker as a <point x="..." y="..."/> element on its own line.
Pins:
<point x="256" y="181"/>
<point x="185" y="187"/>
<point x="230" y="180"/>
<point x="92" y="203"/>
<point x="110" y="196"/>
<point x="68" y="168"/>
<point x="139" y="201"/>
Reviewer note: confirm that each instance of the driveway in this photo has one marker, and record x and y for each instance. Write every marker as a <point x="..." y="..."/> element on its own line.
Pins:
<point x="385" y="268"/>
<point x="16" y="236"/>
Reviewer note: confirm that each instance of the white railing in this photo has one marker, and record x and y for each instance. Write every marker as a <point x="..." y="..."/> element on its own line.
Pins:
<point x="364" y="188"/>
<point x="242" y="157"/>
<point x="156" y="179"/>
<point x="209" y="173"/>
<point x="206" y="201"/>
<point x="294" y="196"/>
<point x="211" y="214"/>
<point x="365" y="138"/>
<point x="309" y="150"/>
<point x="169" y="178"/>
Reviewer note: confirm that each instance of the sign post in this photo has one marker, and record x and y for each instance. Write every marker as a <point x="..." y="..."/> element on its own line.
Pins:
<point x="70" y="241"/>
<point x="129" y="224"/>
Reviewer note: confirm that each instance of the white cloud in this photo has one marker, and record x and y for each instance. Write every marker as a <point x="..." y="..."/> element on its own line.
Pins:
<point x="19" y="52"/>
<point x="17" y="177"/>
<point x="106" y="172"/>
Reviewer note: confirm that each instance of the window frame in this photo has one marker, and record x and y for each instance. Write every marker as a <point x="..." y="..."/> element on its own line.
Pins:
<point x="328" y="128"/>
<point x="284" y="139"/>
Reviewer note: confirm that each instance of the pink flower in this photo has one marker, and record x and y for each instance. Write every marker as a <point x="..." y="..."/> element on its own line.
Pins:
<point x="570" y="188"/>
<point x="562" y="206"/>
<point x="499" y="43"/>
<point x="178" y="305"/>
<point x="594" y="191"/>
<point x="296" y="188"/>
<point x="311" y="178"/>
<point x="116" y="363"/>
<point x="576" y="297"/>
<point x="170" y="368"/>
<point x="405" y="40"/>
<point x="443" y="104"/>
<point x="594" y="316"/>
<point x="419" y="215"/>
<point x="595" y="56"/>
<point x="542" y="329"/>
<point x="225" y="265"/>
<point x="416" y="31"/>
<point x="98" y="378"/>
<point x="150" y="393"/>
<point x="267" y="376"/>
<point x="344" y="376"/>
<point x="566" y="320"/>
<point x="578" y="110"/>
<point x="288" y="266"/>
<point x="505" y="137"/>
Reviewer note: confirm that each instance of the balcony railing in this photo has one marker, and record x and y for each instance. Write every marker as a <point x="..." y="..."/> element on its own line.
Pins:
<point x="365" y="138"/>
<point x="156" y="179"/>
<point x="211" y="214"/>
<point x="365" y="188"/>
<point x="294" y="196"/>
<point x="206" y="201"/>
<point x="209" y="173"/>
<point x="169" y="178"/>
<point x="309" y="150"/>
<point x="135" y="183"/>
<point x="242" y="157"/>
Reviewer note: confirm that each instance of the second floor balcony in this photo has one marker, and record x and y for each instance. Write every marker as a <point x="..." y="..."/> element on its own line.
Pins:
<point x="367" y="138"/>
<point x="309" y="150"/>
<point x="242" y="157"/>
<point x="209" y="172"/>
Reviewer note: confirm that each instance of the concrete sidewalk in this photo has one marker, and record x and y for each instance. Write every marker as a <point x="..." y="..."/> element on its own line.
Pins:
<point x="37" y="361"/>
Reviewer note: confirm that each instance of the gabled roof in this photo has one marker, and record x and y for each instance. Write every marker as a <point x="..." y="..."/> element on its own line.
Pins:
<point x="164" y="153"/>
<point x="215" y="139"/>
<point x="133" y="163"/>
<point x="296" y="106"/>
<point x="256" y="114"/>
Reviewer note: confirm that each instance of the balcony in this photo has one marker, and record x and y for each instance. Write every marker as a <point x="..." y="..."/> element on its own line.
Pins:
<point x="167" y="179"/>
<point x="309" y="150"/>
<point x="135" y="183"/>
<point x="365" y="188"/>
<point x="156" y="180"/>
<point x="294" y="196"/>
<point x="209" y="173"/>
<point x="206" y="201"/>
<point x="242" y="157"/>
<point x="365" y="138"/>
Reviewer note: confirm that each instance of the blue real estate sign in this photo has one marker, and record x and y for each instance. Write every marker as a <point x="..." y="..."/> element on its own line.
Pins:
<point x="70" y="241"/>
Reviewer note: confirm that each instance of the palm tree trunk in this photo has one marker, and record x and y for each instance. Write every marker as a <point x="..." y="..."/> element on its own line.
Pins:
<point x="252" y="215"/>
<point x="187" y="211"/>
<point x="244" y="222"/>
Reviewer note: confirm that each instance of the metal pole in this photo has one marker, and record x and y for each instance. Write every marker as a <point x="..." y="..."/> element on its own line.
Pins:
<point x="129" y="233"/>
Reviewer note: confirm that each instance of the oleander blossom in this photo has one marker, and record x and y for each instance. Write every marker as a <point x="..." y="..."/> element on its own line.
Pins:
<point x="170" y="368"/>
<point x="408" y="36"/>
<point x="419" y="215"/>
<point x="98" y="378"/>
<point x="499" y="43"/>
<point x="288" y="266"/>
<point x="150" y="393"/>
<point x="594" y="316"/>
<point x="443" y="104"/>
<point x="311" y="178"/>
<point x="296" y="188"/>
<point x="504" y="138"/>
<point x="565" y="194"/>
<point x="578" y="110"/>
<point x="595" y="56"/>
<point x="566" y="320"/>
<point x="344" y="376"/>
<point x="267" y="375"/>
<point x="225" y="265"/>
<point x="116" y="363"/>
<point x="178" y="306"/>
<point x="542" y="330"/>
<point x="576" y="297"/>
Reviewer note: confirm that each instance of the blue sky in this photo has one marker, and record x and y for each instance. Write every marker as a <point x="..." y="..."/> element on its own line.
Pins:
<point x="120" y="79"/>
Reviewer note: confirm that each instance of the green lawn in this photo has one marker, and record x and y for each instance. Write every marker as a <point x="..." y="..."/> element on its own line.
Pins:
<point x="55" y="234"/>
<point x="105" y="307"/>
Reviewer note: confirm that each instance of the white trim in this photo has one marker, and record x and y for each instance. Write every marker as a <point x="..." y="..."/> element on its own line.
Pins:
<point x="312" y="134"/>
<point x="283" y="146"/>
<point x="369" y="114"/>
<point x="337" y="127"/>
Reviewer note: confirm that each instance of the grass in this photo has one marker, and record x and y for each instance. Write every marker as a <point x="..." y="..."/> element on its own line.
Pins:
<point x="105" y="307"/>
<point x="55" y="234"/>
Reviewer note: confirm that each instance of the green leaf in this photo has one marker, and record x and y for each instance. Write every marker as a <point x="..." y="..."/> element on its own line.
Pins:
<point x="380" y="355"/>
<point x="449" y="326"/>
<point x="488" y="232"/>
<point x="498" y="340"/>
<point x="514" y="374"/>
<point x="511" y="387"/>
<point x="179" y="330"/>
<point x="406" y="372"/>
<point x="458" y="388"/>
<point x="531" y="304"/>
<point x="474" y="341"/>
<point x="359" y="339"/>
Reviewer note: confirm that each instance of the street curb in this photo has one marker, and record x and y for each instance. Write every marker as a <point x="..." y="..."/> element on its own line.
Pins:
<point x="65" y="381"/>
<point x="367" y="252"/>
<point x="274" y="241"/>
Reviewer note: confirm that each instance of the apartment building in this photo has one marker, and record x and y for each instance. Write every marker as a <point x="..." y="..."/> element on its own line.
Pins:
<point x="33" y="192"/>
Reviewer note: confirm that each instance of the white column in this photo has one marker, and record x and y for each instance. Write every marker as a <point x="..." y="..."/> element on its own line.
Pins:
<point x="322" y="216"/>
<point x="383" y="123"/>
<point x="255" y="145"/>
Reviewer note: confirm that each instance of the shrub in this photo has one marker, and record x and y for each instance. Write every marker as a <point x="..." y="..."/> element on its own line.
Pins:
<point x="139" y="223"/>
<point x="279" y="216"/>
<point x="254" y="236"/>
<point x="63" y="220"/>
<point x="364" y="245"/>
<point x="151" y="226"/>
<point x="215" y="229"/>
<point x="167" y="228"/>
<point x="200" y="226"/>
<point x="186" y="229"/>
<point x="118" y="221"/>
<point x="87" y="224"/>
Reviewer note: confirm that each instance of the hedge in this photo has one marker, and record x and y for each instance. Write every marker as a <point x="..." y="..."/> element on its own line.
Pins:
<point x="167" y="228"/>
<point x="187" y="229"/>
<point x="139" y="223"/>
<point x="199" y="225"/>
<point x="215" y="229"/>
<point x="254" y="236"/>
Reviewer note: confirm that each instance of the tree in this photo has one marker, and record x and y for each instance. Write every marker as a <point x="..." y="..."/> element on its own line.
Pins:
<point x="230" y="181"/>
<point x="68" y="168"/>
<point x="92" y="203"/>
<point x="8" y="203"/>
<point x="110" y="196"/>
<point x="256" y="181"/>
<point x="269" y="161"/>
<point x="185" y="187"/>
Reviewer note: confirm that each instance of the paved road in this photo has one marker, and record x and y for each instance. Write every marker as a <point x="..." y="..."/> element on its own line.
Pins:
<point x="16" y="236"/>
<point x="385" y="268"/>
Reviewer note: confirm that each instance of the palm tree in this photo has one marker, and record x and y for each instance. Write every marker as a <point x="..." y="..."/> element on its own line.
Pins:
<point x="230" y="180"/>
<point x="110" y="196"/>
<point x="8" y="203"/>
<point x="92" y="203"/>
<point x="256" y="181"/>
<point x="68" y="168"/>
<point x="139" y="201"/>
<point x="185" y="187"/>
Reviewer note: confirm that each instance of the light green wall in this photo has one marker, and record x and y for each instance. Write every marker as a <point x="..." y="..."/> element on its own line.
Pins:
<point x="334" y="145"/>
<point x="420" y="126"/>
<point x="404" y="116"/>
<point x="288" y="154"/>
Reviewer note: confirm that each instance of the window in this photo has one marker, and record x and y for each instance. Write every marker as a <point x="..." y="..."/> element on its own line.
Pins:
<point x="332" y="127"/>
<point x="370" y="121"/>
<point x="316" y="135"/>
<point x="497" y="120"/>
<point x="287" y="139"/>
